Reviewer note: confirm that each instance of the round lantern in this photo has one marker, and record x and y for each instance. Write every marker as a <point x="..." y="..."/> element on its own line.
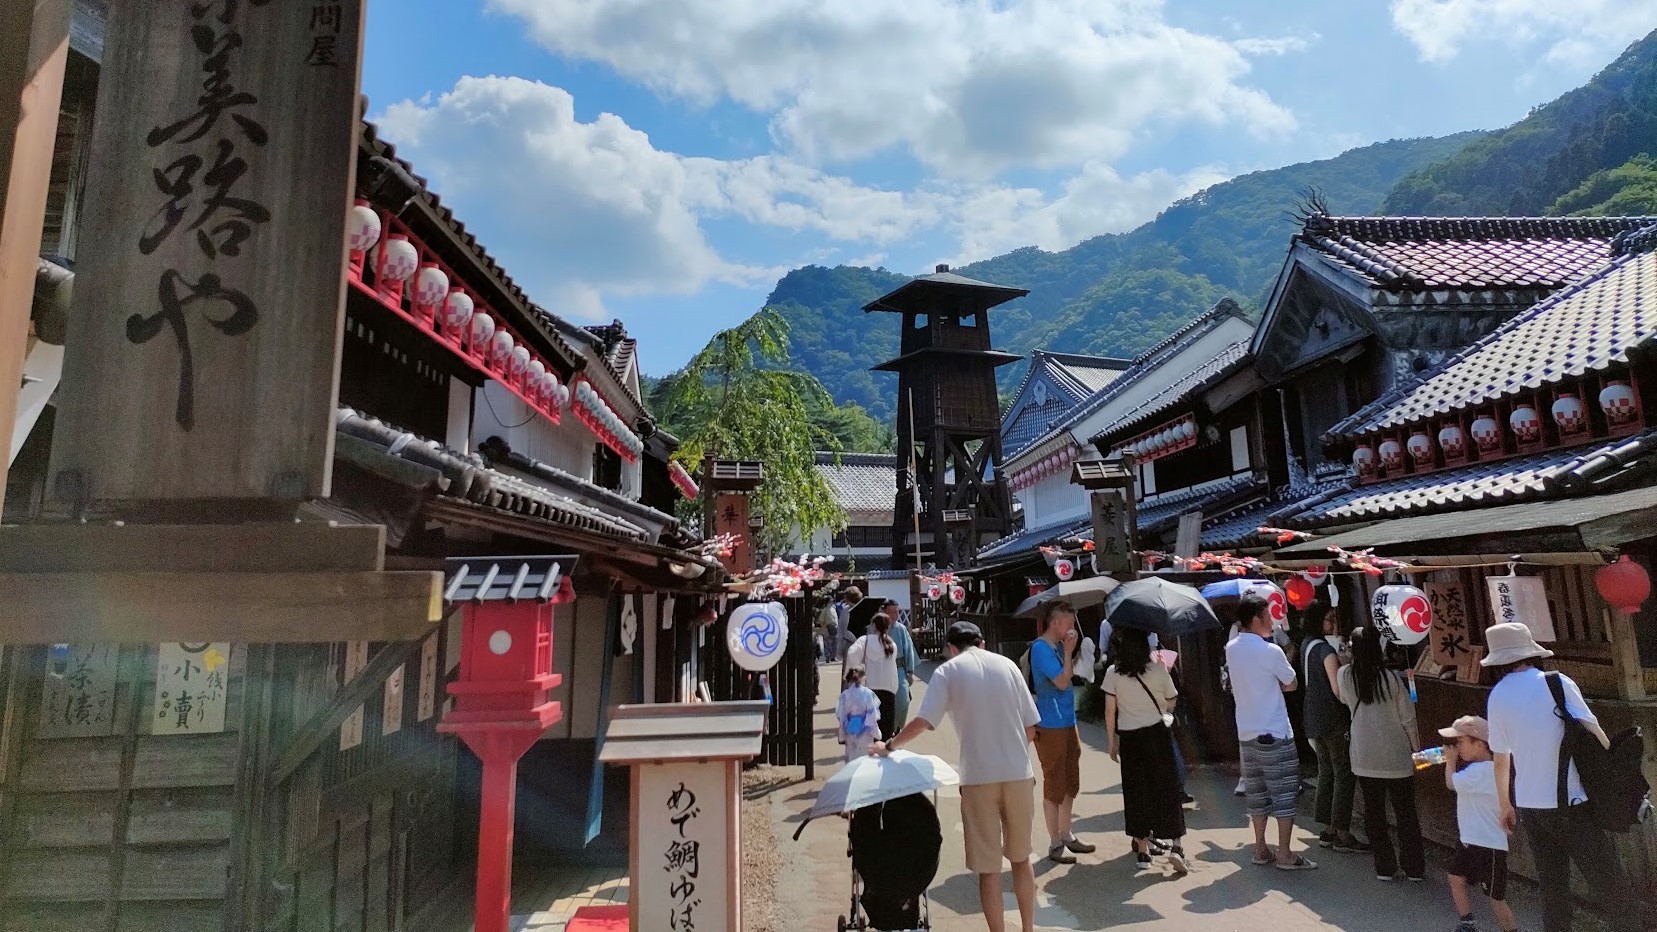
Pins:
<point x="1401" y="614"/>
<point x="1421" y="448"/>
<point x="1363" y="460"/>
<point x="1452" y="440"/>
<point x="500" y="349"/>
<point x="430" y="285"/>
<point x="457" y="310"/>
<point x="1616" y="399"/>
<point x="1392" y="454"/>
<point x="1277" y="606"/>
<point x="483" y="329"/>
<point x="520" y="362"/>
<point x="1300" y="591"/>
<point x="1065" y="570"/>
<point x="757" y="635"/>
<point x="1487" y="433"/>
<point x="1570" y="414"/>
<point x="934" y="591"/>
<point x="535" y="375"/>
<point x="396" y="258"/>
<point x="1526" y="423"/>
<point x="1186" y="430"/>
<point x="362" y="227"/>
<point x="1624" y="584"/>
<point x="1316" y="575"/>
<point x="958" y="594"/>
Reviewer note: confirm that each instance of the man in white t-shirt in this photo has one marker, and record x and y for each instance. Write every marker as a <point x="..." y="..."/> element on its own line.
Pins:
<point x="986" y="696"/>
<point x="1260" y="675"/>
<point x="1525" y="737"/>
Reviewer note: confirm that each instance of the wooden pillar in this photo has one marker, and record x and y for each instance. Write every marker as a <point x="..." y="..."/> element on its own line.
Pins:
<point x="1625" y="655"/>
<point x="34" y="47"/>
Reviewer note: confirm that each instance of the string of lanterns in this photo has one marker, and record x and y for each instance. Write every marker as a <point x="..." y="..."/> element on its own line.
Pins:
<point x="938" y="587"/>
<point x="681" y="479"/>
<point x="1170" y="438"/>
<point x="593" y="411"/>
<point x="1049" y="465"/>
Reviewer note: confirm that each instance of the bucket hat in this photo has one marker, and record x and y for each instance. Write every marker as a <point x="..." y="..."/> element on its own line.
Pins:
<point x="1468" y="726"/>
<point x="1510" y="643"/>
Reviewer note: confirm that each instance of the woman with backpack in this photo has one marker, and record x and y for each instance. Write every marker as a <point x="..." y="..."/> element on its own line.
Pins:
<point x="877" y="654"/>
<point x="1384" y="741"/>
<point x="1139" y="710"/>
<point x="1527" y="736"/>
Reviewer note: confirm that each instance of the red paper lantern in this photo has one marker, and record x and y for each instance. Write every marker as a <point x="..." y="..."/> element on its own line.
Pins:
<point x="1301" y="592"/>
<point x="1624" y="584"/>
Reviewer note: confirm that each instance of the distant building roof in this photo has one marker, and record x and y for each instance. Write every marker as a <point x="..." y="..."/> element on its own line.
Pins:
<point x="917" y="292"/>
<point x="861" y="482"/>
<point x="1224" y="363"/>
<point x="1467" y="253"/>
<point x="1086" y="374"/>
<point x="1584" y="328"/>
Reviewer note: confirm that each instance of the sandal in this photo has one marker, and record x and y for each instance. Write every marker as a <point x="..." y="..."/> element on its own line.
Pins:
<point x="1263" y="861"/>
<point x="1300" y="863"/>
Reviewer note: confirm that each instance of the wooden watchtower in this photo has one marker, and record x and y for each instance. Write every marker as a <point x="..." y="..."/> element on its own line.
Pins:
<point x="949" y="417"/>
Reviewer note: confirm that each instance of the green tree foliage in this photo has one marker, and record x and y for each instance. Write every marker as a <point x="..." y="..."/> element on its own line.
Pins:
<point x="1629" y="190"/>
<point x="1533" y="165"/>
<point x="731" y="402"/>
<point x="1113" y="295"/>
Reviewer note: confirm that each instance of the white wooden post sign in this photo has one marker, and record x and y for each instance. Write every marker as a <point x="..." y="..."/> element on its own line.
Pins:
<point x="1523" y="599"/>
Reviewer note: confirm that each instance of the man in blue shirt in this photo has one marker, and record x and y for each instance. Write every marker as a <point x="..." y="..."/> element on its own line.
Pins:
<point x="1058" y="746"/>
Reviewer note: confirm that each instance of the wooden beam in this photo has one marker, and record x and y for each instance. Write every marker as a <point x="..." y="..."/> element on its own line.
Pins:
<point x="326" y="720"/>
<point x="288" y="547"/>
<point x="34" y="47"/>
<point x="1625" y="655"/>
<point x="243" y="608"/>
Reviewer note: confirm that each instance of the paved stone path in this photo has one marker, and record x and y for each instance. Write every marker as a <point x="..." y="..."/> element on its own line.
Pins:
<point x="1104" y="890"/>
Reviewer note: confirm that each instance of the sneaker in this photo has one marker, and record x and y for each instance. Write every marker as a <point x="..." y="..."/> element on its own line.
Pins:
<point x="1351" y="846"/>
<point x="1187" y="799"/>
<point x="1142" y="860"/>
<point x="1326" y="840"/>
<point x="1416" y="879"/>
<point x="1058" y="855"/>
<point x="1241" y="790"/>
<point x="1384" y="878"/>
<point x="1176" y="859"/>
<point x="1080" y="847"/>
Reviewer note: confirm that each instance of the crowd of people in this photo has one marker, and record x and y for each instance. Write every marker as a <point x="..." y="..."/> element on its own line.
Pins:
<point x="1358" y="714"/>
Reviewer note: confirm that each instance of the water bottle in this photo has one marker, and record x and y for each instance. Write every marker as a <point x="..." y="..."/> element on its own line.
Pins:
<point x="1431" y="757"/>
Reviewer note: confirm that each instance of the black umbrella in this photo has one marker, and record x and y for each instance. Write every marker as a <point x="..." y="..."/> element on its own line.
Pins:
<point x="1168" y="610"/>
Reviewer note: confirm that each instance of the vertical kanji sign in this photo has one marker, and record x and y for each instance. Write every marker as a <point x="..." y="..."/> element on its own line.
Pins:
<point x="1451" y="636"/>
<point x="683" y="810"/>
<point x="78" y="697"/>
<point x="1110" y="533"/>
<point x="192" y="688"/>
<point x="1523" y="599"/>
<point x="203" y="351"/>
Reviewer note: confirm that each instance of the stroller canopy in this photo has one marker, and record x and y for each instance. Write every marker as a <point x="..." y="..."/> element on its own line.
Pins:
<point x="895" y="846"/>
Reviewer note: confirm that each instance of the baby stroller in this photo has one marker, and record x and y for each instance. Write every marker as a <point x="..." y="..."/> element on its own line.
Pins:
<point x="894" y="852"/>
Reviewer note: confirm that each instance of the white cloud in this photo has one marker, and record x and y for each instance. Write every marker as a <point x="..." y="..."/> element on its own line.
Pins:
<point x="1574" y="32"/>
<point x="1278" y="45"/>
<point x="968" y="88"/>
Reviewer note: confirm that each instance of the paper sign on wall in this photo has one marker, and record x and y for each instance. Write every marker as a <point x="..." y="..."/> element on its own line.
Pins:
<point x="356" y="658"/>
<point x="1522" y="599"/>
<point x="391" y="718"/>
<point x="1451" y="636"/>
<point x="191" y="689"/>
<point x="426" y="701"/>
<point x="78" y="696"/>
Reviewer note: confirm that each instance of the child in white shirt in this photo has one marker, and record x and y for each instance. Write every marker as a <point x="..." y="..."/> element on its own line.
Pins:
<point x="1470" y="773"/>
<point x="858" y="712"/>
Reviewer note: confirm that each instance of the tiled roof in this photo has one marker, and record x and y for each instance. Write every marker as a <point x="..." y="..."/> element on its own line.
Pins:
<point x="1030" y="538"/>
<point x="943" y="279"/>
<point x="1467" y="253"/>
<point x="467" y="478"/>
<point x="1226" y="362"/>
<point x="1143" y="365"/>
<point x="861" y="481"/>
<point x="1166" y="508"/>
<point x="1472" y="486"/>
<point x="1239" y="528"/>
<point x="1584" y="328"/>
<point x="1084" y="374"/>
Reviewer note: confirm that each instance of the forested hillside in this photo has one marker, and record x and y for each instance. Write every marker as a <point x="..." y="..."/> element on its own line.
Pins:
<point x="1588" y="152"/>
<point x="1111" y="295"/>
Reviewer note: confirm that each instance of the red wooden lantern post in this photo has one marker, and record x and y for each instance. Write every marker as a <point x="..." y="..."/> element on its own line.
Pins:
<point x="502" y="705"/>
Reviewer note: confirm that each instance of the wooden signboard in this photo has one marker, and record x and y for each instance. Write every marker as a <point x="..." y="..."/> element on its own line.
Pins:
<point x="1111" y="550"/>
<point x="1523" y="599"/>
<point x="204" y="338"/>
<point x="1451" y="636"/>
<point x="731" y="510"/>
<point x="191" y="688"/>
<point x="78" y="697"/>
<point x="685" y="813"/>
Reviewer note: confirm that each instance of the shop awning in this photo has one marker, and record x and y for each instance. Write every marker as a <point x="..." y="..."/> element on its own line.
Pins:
<point x="1558" y="526"/>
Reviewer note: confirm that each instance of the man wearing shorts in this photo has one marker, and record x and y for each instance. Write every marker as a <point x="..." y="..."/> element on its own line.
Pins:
<point x="986" y="697"/>
<point x="1058" y="746"/>
<point x="1260" y="675"/>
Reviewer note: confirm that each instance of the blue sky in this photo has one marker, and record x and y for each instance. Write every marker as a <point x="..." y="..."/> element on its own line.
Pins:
<point x="665" y="161"/>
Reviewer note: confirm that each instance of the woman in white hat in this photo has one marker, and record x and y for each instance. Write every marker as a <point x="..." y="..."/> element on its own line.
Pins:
<point x="1525" y="737"/>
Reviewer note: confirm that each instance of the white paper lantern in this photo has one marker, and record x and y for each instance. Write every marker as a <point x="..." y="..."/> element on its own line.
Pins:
<point x="1617" y="400"/>
<point x="958" y="594"/>
<point x="400" y="258"/>
<point x="457" y="311"/>
<point x="483" y="329"/>
<point x="534" y="375"/>
<point x="934" y="591"/>
<point x="1401" y="614"/>
<point x="1065" y="570"/>
<point x="1421" y="448"/>
<point x="1452" y="440"/>
<point x="430" y="286"/>
<point x="1526" y="423"/>
<point x="1392" y="454"/>
<point x="756" y="636"/>
<point x="1487" y="433"/>
<point x="362" y="227"/>
<point x="500" y="349"/>
<point x="1187" y="430"/>
<point x="1363" y="460"/>
<point x="520" y="362"/>
<point x="1570" y="414"/>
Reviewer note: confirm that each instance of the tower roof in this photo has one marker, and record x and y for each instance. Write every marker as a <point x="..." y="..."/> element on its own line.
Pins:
<point x="924" y="293"/>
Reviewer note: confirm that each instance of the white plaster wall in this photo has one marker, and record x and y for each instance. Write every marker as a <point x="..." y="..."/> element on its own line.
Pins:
<point x="497" y="412"/>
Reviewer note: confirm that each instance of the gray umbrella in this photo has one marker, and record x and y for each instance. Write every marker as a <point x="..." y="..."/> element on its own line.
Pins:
<point x="1166" y="609"/>
<point x="1080" y="593"/>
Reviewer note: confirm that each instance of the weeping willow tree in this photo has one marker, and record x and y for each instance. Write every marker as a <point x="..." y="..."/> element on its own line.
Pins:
<point x="733" y="401"/>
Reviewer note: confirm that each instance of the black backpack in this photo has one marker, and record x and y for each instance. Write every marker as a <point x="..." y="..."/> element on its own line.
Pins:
<point x="1613" y="777"/>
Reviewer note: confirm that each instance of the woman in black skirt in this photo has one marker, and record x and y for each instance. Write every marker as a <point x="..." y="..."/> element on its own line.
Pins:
<point x="1139" y="704"/>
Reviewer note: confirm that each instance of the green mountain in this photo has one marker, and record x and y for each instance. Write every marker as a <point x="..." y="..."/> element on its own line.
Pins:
<point x="1588" y="152"/>
<point x="1111" y="295"/>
